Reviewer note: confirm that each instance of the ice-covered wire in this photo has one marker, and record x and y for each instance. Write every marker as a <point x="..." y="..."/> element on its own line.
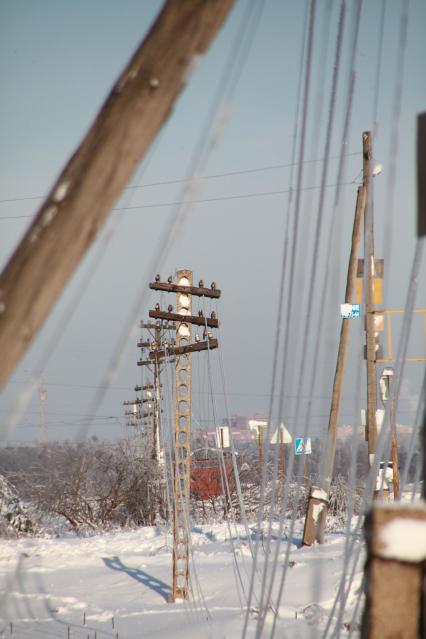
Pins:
<point x="377" y="83"/>
<point x="225" y="485"/>
<point x="225" y="482"/>
<point x="105" y="239"/>
<point x="309" y="30"/>
<point x="314" y="259"/>
<point x="394" y="136"/>
<point x="383" y="439"/>
<point x="232" y="70"/>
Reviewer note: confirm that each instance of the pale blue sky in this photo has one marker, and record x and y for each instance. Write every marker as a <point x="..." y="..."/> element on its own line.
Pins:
<point x="58" y="61"/>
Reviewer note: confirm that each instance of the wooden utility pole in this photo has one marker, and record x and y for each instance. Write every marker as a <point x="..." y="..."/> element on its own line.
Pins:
<point x="395" y="469"/>
<point x="327" y="474"/>
<point x="369" y="272"/>
<point x="281" y="471"/>
<point x="157" y="331"/>
<point x="133" y="415"/>
<point x="260" y="442"/>
<point x="157" y="400"/>
<point x="387" y="386"/>
<point x="156" y="392"/>
<point x="421" y="233"/>
<point x="306" y="471"/>
<point x="395" y="601"/>
<point x="316" y="532"/>
<point x="79" y="202"/>
<point x="181" y="350"/>
<point x="42" y="435"/>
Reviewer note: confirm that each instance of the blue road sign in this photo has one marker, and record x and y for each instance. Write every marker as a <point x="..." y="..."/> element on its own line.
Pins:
<point x="299" y="446"/>
<point x="350" y="311"/>
<point x="302" y="446"/>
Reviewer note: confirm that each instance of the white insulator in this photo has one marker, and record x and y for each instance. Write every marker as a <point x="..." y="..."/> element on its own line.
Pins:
<point x="183" y="330"/>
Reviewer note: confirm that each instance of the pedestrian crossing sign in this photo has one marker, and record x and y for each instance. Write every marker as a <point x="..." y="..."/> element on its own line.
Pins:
<point x="302" y="446"/>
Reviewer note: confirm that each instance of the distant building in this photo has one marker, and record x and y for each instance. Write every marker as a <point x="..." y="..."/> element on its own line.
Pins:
<point x="346" y="430"/>
<point x="241" y="427"/>
<point x="242" y="433"/>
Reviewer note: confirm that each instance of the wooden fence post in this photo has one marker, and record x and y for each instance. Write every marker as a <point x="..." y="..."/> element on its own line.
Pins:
<point x="395" y="604"/>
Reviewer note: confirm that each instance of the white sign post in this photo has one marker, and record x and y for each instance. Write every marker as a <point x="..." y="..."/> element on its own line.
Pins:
<point x="222" y="437"/>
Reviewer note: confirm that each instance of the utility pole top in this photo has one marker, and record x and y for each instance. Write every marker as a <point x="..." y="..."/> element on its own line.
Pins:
<point x="369" y="275"/>
<point x="366" y="146"/>
<point x="199" y="291"/>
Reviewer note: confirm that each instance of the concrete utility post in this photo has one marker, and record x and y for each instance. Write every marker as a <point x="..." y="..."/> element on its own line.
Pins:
<point x="182" y="444"/>
<point x="181" y="351"/>
<point x="369" y="272"/>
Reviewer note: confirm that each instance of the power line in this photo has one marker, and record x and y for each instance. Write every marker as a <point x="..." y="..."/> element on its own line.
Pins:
<point x="234" y="394"/>
<point x="203" y="200"/>
<point x="70" y="414"/>
<point x="270" y="167"/>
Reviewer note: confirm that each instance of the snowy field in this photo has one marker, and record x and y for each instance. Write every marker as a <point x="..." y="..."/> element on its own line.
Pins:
<point x="117" y="585"/>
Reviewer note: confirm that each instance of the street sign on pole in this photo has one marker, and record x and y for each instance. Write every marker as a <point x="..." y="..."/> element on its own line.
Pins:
<point x="222" y="437"/>
<point x="281" y="435"/>
<point x="350" y="311"/>
<point x="302" y="446"/>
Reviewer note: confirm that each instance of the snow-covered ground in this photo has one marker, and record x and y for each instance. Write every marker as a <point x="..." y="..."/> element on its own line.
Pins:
<point x="117" y="585"/>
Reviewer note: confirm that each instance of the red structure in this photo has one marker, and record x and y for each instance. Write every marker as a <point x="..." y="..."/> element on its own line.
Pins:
<point x="206" y="474"/>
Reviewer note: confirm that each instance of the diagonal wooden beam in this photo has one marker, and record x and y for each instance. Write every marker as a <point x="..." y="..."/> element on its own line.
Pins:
<point x="89" y="185"/>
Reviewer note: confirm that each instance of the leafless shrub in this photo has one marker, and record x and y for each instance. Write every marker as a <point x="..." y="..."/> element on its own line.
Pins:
<point x="339" y="499"/>
<point x="91" y="485"/>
